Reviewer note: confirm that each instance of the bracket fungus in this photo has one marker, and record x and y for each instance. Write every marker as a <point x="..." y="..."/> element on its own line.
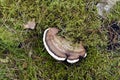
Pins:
<point x="61" y="49"/>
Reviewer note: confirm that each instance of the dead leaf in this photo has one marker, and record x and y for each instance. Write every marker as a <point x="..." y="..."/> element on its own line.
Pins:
<point x="6" y="60"/>
<point x="24" y="65"/>
<point x="30" y="53"/>
<point x="30" y="24"/>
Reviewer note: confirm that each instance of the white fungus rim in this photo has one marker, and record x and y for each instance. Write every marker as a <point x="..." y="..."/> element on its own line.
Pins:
<point x="75" y="60"/>
<point x="47" y="48"/>
<point x="85" y="55"/>
<point x="72" y="61"/>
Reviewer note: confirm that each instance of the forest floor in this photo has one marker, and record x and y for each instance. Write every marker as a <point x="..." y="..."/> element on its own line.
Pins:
<point x="22" y="53"/>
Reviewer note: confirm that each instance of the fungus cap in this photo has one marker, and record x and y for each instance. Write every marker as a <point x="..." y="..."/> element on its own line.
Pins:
<point x="61" y="49"/>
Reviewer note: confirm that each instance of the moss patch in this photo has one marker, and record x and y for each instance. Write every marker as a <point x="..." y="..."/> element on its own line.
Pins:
<point x="77" y="20"/>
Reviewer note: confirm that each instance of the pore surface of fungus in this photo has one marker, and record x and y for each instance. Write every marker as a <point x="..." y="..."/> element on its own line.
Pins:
<point x="61" y="49"/>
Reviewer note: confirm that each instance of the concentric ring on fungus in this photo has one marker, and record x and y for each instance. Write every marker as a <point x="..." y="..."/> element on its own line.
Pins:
<point x="61" y="49"/>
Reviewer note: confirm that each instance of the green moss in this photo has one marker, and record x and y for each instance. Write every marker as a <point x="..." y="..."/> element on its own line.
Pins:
<point x="77" y="20"/>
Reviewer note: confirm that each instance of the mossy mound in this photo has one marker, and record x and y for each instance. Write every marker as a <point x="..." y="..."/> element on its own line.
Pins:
<point x="78" y="21"/>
